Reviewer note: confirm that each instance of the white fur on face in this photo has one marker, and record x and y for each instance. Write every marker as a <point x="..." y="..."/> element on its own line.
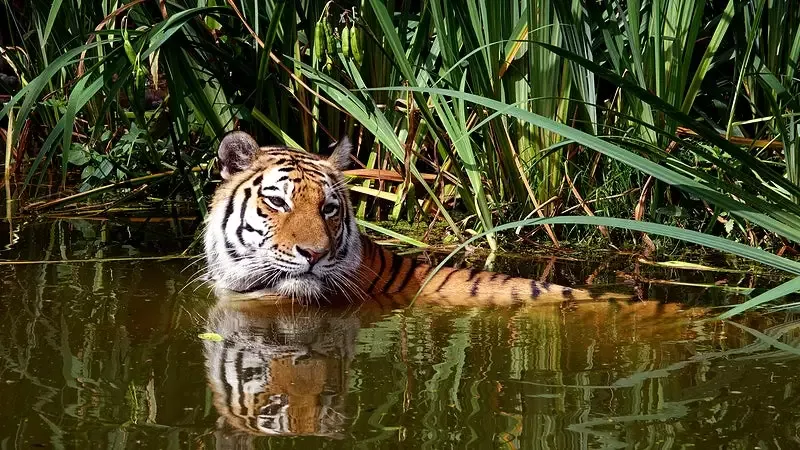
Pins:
<point x="242" y="255"/>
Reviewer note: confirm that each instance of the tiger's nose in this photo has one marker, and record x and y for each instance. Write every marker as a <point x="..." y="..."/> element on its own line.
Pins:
<point x="312" y="254"/>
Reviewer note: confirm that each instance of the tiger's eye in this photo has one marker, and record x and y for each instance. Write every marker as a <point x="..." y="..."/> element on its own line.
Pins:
<point x="277" y="202"/>
<point x="330" y="208"/>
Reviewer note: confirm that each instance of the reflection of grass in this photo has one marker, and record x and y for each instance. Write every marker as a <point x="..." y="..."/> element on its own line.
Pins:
<point x="553" y="359"/>
<point x="612" y="439"/>
<point x="771" y="337"/>
<point x="95" y="260"/>
<point x="446" y="377"/>
<point x="442" y="376"/>
<point x="78" y="338"/>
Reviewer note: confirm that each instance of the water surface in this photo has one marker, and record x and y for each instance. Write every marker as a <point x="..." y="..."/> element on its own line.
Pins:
<point x="106" y="354"/>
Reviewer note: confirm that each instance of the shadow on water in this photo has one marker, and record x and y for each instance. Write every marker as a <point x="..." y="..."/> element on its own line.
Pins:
<point x="106" y="354"/>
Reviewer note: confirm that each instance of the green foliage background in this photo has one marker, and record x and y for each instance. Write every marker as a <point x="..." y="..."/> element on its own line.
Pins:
<point x="669" y="111"/>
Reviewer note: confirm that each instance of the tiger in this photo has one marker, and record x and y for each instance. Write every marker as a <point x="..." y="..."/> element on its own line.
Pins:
<point x="281" y="223"/>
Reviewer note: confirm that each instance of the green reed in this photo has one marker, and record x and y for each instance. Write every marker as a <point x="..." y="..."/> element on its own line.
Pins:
<point x="678" y="112"/>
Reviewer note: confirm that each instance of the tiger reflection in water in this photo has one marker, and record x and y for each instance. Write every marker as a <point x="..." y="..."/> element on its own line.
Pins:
<point x="278" y="371"/>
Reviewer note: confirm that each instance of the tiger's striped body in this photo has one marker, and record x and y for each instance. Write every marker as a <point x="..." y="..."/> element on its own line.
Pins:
<point x="282" y="223"/>
<point x="401" y="278"/>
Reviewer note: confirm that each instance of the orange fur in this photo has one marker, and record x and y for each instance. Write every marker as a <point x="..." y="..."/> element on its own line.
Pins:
<point x="399" y="279"/>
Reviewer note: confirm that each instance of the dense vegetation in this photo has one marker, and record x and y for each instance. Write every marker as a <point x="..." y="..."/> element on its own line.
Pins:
<point x="470" y="114"/>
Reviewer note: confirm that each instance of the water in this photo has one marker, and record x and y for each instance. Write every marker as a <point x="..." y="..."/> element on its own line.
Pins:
<point x="107" y="355"/>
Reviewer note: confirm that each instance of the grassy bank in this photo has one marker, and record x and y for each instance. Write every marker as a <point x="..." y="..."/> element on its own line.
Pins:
<point x="464" y="113"/>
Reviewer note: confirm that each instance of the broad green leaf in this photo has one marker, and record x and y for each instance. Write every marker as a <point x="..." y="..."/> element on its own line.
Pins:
<point x="213" y="337"/>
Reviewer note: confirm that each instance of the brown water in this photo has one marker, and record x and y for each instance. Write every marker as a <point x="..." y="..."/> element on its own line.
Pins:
<point x="107" y="355"/>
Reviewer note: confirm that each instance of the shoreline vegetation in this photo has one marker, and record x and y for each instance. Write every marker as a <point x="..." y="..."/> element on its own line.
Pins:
<point x="636" y="124"/>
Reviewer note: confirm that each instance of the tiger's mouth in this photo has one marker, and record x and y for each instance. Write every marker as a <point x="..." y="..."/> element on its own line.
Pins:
<point x="310" y="276"/>
<point x="305" y="286"/>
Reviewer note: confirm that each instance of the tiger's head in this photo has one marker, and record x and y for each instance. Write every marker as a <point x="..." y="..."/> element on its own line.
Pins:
<point x="281" y="221"/>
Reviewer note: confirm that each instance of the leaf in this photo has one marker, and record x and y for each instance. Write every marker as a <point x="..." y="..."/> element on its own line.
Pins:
<point x="51" y="18"/>
<point x="79" y="156"/>
<point x="685" y="265"/>
<point x="374" y="193"/>
<point x="729" y="226"/>
<point x="672" y="211"/>
<point x="275" y="129"/>
<point x="390" y="233"/>
<point x="87" y="172"/>
<point x="790" y="287"/>
<point x="213" y="337"/>
<point x="106" y="167"/>
<point x="708" y="134"/>
<point x="780" y="226"/>
<point x="708" y="56"/>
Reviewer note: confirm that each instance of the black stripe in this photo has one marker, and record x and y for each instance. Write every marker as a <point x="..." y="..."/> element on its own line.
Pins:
<point x="474" y="290"/>
<point x="287" y="152"/>
<point x="248" y="227"/>
<point x="380" y="267"/>
<point x="240" y="228"/>
<point x="407" y="278"/>
<point x="228" y="213"/>
<point x="271" y="188"/>
<point x="446" y="279"/>
<point x="341" y="249"/>
<point x="226" y="346"/>
<point x="472" y="273"/>
<point x="397" y="264"/>
<point x="506" y="278"/>
<point x="231" y="249"/>
<point x="494" y="276"/>
<point x="257" y="180"/>
<point x="240" y="384"/>
<point x="307" y="158"/>
<point x="344" y="211"/>
<point x="285" y="169"/>
<point x="535" y="291"/>
<point x="283" y="178"/>
<point x="314" y="172"/>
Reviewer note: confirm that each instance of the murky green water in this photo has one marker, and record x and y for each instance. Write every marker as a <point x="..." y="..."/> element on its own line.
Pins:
<point x="107" y="355"/>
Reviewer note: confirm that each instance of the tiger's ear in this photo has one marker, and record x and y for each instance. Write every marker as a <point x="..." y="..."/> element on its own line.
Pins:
<point x="340" y="158"/>
<point x="236" y="152"/>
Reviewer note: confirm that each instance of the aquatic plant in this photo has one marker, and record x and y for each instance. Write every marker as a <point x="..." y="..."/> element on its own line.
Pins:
<point x="677" y="112"/>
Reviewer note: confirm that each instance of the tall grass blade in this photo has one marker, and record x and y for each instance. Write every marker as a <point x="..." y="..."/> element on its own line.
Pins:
<point x="782" y="290"/>
<point x="786" y="229"/>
